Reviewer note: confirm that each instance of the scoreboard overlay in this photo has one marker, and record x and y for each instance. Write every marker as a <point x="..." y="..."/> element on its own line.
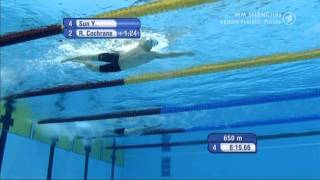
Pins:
<point x="232" y="143"/>
<point x="93" y="28"/>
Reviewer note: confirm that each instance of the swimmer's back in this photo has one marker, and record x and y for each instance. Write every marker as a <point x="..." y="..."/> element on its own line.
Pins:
<point x="134" y="57"/>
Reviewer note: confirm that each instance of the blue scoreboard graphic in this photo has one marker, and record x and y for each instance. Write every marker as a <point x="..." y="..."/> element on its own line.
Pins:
<point x="232" y="143"/>
<point x="101" y="28"/>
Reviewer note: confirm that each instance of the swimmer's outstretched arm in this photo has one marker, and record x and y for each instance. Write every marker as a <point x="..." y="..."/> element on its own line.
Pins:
<point x="172" y="54"/>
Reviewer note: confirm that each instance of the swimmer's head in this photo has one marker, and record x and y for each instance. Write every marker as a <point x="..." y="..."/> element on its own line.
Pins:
<point x="148" y="44"/>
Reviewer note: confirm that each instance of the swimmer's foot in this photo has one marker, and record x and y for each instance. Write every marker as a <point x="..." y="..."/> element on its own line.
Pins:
<point x="190" y="54"/>
<point x="151" y="128"/>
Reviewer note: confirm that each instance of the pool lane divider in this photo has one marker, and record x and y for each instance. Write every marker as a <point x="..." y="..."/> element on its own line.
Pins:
<point x="134" y="11"/>
<point x="240" y="124"/>
<point x="7" y="122"/>
<point x="67" y="88"/>
<point x="86" y="162"/>
<point x="28" y="35"/>
<point x="203" y="142"/>
<point x="227" y="66"/>
<point x="244" y="101"/>
<point x="196" y="70"/>
<point x="51" y="157"/>
<point x="113" y="158"/>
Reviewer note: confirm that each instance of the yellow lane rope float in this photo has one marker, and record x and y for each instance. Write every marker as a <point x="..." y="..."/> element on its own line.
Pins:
<point x="134" y="11"/>
<point x="152" y="8"/>
<point x="225" y="66"/>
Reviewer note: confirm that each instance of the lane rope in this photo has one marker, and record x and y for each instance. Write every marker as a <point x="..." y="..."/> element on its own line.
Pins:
<point x="245" y="101"/>
<point x="240" y="124"/>
<point x="134" y="11"/>
<point x="196" y="70"/>
<point x="226" y="66"/>
<point x="203" y="142"/>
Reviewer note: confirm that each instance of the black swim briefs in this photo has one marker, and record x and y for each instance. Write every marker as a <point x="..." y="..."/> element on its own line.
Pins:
<point x="120" y="131"/>
<point x="112" y="60"/>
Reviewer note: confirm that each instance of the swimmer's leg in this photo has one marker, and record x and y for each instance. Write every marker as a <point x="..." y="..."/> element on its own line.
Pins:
<point x="151" y="128"/>
<point x="69" y="59"/>
<point x="91" y="66"/>
<point x="107" y="132"/>
<point x="105" y="57"/>
<point x="82" y="58"/>
<point x="142" y="130"/>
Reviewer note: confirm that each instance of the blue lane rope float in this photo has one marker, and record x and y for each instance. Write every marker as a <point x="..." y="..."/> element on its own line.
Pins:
<point x="203" y="142"/>
<point x="251" y="100"/>
<point x="244" y="101"/>
<point x="274" y="121"/>
<point x="196" y="70"/>
<point x="240" y="124"/>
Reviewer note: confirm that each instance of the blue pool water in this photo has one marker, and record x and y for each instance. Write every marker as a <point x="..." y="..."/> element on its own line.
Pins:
<point x="36" y="64"/>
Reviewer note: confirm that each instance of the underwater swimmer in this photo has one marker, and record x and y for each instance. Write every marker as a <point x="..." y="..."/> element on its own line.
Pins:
<point x="117" y="61"/>
<point x="132" y="131"/>
<point x="135" y="131"/>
